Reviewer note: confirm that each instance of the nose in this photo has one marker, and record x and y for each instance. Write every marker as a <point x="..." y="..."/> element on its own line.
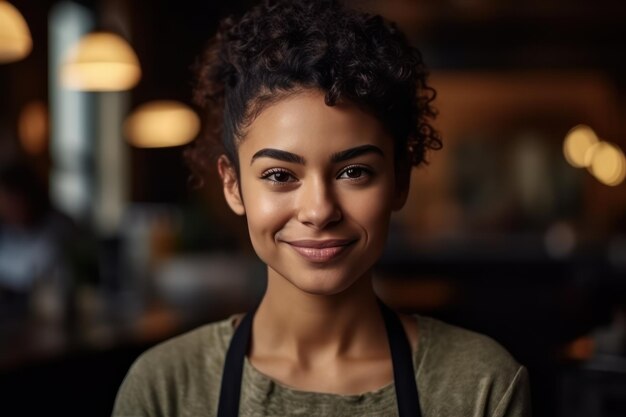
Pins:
<point x="317" y="205"/>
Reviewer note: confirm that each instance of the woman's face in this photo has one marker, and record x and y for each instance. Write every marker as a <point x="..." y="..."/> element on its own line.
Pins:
<point x="317" y="187"/>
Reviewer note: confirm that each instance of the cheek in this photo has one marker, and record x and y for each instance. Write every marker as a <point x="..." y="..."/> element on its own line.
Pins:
<point x="372" y="210"/>
<point x="266" y="211"/>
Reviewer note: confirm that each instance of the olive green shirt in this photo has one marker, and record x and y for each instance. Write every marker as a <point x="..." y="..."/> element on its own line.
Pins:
<point x="459" y="373"/>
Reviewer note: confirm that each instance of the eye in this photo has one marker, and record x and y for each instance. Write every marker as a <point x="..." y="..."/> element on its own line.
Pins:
<point x="355" y="172"/>
<point x="278" y="176"/>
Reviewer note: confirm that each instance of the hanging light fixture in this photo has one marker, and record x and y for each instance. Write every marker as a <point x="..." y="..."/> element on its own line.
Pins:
<point x="15" y="40"/>
<point x="100" y="61"/>
<point x="161" y="123"/>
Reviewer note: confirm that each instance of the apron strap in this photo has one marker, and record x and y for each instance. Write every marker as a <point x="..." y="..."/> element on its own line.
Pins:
<point x="230" y="389"/>
<point x="402" y="359"/>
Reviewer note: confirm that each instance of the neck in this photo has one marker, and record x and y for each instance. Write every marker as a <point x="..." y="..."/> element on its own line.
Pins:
<point x="307" y="327"/>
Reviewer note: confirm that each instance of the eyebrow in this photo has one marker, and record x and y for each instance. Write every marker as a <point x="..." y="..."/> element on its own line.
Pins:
<point x="278" y="154"/>
<point x="297" y="159"/>
<point x="354" y="152"/>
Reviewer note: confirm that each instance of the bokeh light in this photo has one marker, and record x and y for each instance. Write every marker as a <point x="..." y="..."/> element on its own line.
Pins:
<point x="577" y="142"/>
<point x="33" y="127"/>
<point x="100" y="61"/>
<point x="15" y="40"/>
<point x="607" y="163"/>
<point x="162" y="123"/>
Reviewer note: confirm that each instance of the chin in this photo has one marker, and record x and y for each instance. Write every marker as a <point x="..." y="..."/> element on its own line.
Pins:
<point x="324" y="290"/>
<point x="323" y="282"/>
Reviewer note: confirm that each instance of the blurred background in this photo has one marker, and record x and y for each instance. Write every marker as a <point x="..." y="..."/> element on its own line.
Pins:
<point x="516" y="229"/>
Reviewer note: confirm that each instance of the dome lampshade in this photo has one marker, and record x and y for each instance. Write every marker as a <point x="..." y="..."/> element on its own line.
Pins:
<point x="161" y="123"/>
<point x="100" y="61"/>
<point x="15" y="39"/>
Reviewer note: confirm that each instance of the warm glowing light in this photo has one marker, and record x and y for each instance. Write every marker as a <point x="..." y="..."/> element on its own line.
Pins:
<point x="15" y="40"/>
<point x="100" y="61"/>
<point x="607" y="163"/>
<point x="160" y="124"/>
<point x="580" y="349"/>
<point x="577" y="142"/>
<point x="33" y="127"/>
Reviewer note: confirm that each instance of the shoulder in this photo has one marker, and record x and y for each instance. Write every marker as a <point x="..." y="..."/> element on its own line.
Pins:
<point x="455" y="345"/>
<point x="174" y="373"/>
<point x="472" y="369"/>
<point x="210" y="340"/>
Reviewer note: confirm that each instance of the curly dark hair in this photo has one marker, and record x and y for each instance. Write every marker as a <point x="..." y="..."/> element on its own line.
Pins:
<point x="281" y="47"/>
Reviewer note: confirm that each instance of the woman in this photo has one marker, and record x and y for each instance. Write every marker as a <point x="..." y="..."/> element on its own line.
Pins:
<point x="321" y="112"/>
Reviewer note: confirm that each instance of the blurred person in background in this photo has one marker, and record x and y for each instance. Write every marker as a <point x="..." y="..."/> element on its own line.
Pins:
<point x="321" y="112"/>
<point x="33" y="239"/>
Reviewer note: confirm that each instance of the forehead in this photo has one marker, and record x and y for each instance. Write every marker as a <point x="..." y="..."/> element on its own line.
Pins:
<point x="304" y="124"/>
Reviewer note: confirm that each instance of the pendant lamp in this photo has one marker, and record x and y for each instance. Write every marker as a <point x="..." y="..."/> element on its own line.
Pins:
<point x="15" y="40"/>
<point x="100" y="61"/>
<point x="161" y="123"/>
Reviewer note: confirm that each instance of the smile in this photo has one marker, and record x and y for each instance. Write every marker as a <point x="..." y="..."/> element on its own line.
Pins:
<point x="321" y="250"/>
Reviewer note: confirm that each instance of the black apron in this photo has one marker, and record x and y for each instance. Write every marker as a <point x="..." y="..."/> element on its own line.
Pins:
<point x="401" y="357"/>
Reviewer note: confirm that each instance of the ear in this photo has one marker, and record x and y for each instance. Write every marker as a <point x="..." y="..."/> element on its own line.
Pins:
<point x="403" y="183"/>
<point x="230" y="183"/>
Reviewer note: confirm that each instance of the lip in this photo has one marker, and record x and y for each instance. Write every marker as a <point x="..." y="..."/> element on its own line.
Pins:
<point x="321" y="250"/>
